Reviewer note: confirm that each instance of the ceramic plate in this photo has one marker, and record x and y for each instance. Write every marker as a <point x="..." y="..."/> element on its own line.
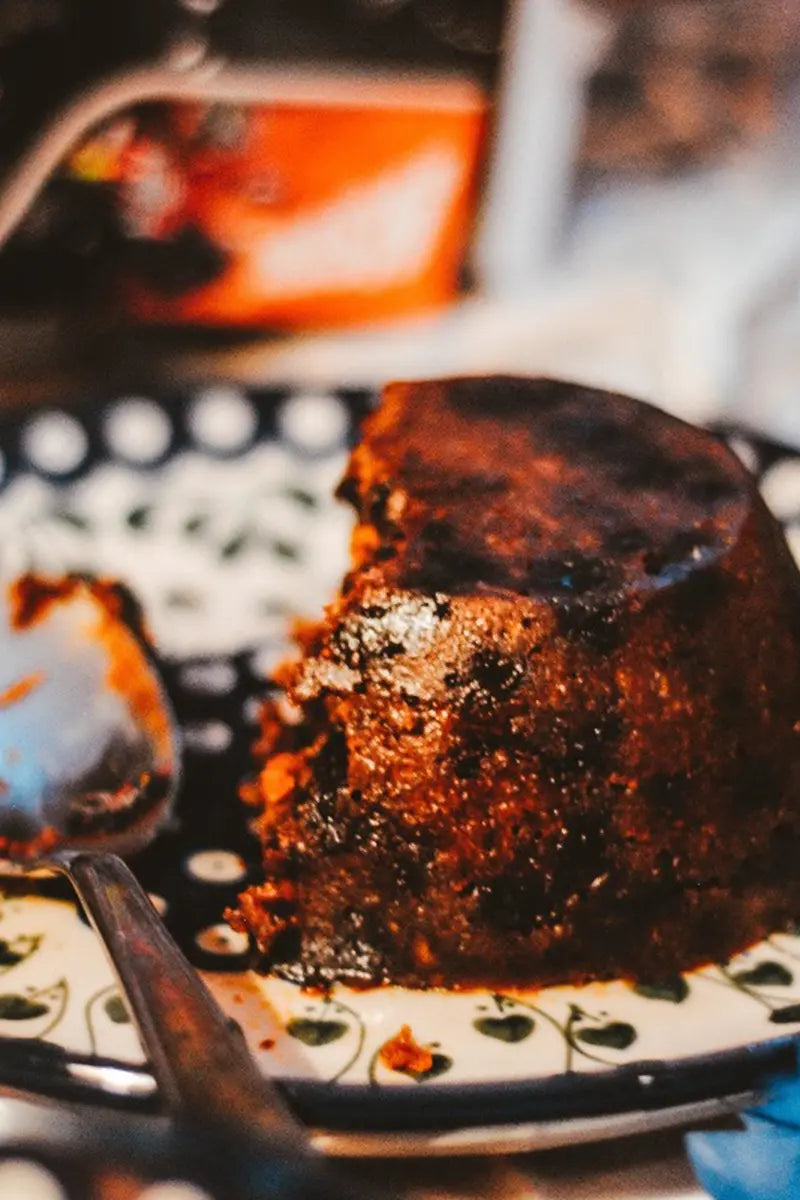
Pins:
<point x="216" y="508"/>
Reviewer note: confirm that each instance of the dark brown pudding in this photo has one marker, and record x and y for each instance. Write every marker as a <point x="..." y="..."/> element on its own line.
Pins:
<point x="550" y="727"/>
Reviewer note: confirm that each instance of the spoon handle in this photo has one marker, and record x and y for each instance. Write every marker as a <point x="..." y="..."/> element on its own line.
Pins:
<point x="199" y="1057"/>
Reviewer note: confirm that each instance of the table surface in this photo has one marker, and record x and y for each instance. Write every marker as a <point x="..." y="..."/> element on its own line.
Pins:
<point x="649" y="1167"/>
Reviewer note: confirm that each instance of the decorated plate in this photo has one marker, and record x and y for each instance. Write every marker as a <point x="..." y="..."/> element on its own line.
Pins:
<point x="216" y="508"/>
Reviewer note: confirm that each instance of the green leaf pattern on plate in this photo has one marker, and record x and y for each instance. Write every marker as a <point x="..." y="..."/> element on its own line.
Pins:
<point x="17" y="950"/>
<point x="675" y="990"/>
<point x="752" y="982"/>
<point x="319" y="1032"/>
<point x="440" y="1065"/>
<point x="514" y="1028"/>
<point x="766" y="974"/>
<point x="617" y="1035"/>
<point x="116" y="1010"/>
<point x="14" y="1007"/>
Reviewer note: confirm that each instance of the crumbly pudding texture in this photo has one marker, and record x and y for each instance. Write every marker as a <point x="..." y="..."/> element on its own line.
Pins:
<point x="550" y="726"/>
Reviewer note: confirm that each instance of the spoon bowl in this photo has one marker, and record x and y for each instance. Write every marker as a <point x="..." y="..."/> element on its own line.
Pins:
<point x="89" y="751"/>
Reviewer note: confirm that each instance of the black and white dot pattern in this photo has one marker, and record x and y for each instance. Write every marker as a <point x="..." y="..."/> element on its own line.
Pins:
<point x="217" y="509"/>
<point x="55" y="443"/>
<point x="138" y="430"/>
<point x="746" y="451"/>
<point x="207" y="737"/>
<point x="315" y="422"/>
<point x="158" y="903"/>
<point x="780" y="486"/>
<point x="216" y="866"/>
<point x="223" y="420"/>
<point x="212" y="678"/>
<point x="225" y="947"/>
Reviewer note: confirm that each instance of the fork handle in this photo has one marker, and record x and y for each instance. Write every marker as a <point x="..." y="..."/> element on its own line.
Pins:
<point x="199" y="1056"/>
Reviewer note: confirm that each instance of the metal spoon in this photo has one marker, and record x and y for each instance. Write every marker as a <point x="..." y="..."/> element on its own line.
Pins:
<point x="89" y="763"/>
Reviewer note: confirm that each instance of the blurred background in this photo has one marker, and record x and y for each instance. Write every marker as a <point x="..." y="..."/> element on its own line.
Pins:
<point x="311" y="197"/>
<point x="341" y="191"/>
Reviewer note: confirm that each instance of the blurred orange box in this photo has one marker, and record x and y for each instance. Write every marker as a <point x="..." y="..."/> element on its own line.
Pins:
<point x="346" y="199"/>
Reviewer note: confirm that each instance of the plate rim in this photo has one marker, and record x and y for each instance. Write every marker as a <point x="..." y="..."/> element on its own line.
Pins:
<point x="526" y="1137"/>
<point x="652" y="1086"/>
<point x="364" y="1119"/>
